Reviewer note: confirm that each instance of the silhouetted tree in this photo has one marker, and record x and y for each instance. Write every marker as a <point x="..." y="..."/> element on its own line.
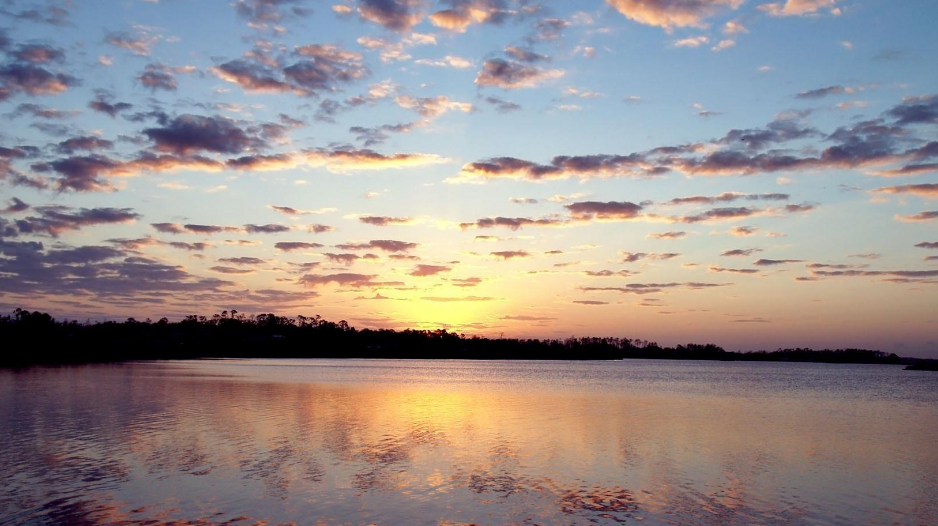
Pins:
<point x="232" y="334"/>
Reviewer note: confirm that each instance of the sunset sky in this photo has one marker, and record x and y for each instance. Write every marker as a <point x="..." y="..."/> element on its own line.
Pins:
<point x="749" y="173"/>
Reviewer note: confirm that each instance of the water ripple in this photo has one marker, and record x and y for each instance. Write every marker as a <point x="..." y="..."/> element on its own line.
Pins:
<point x="338" y="443"/>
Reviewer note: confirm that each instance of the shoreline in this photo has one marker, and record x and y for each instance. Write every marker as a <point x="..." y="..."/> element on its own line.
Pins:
<point x="36" y="338"/>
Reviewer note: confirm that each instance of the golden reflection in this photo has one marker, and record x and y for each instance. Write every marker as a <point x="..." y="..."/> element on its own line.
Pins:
<point x="456" y="443"/>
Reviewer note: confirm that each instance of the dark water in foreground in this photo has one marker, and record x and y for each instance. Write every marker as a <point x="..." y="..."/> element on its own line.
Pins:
<point x="404" y="443"/>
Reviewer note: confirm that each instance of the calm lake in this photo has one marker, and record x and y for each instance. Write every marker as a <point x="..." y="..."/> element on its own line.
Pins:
<point x="407" y="443"/>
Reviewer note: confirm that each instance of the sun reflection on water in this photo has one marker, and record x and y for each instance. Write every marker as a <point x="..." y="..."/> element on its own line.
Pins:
<point x="447" y="443"/>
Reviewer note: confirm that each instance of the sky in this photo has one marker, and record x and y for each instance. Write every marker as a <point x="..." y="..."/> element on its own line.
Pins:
<point x="748" y="173"/>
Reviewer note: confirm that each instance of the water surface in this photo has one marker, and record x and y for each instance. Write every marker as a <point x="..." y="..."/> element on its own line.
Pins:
<point x="408" y="443"/>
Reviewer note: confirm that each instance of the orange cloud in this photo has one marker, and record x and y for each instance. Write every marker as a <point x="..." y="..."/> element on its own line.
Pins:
<point x="927" y="190"/>
<point x="669" y="14"/>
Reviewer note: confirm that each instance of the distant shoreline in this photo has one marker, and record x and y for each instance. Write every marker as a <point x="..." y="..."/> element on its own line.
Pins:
<point x="35" y="338"/>
<point x="923" y="365"/>
<point x="4" y="363"/>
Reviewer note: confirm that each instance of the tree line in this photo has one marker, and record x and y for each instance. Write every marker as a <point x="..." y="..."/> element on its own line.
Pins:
<point x="37" y="338"/>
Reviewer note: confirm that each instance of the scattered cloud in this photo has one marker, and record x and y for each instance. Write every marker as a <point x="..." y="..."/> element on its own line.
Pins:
<point x="507" y="74"/>
<point x="740" y="252"/>
<point x="801" y="7"/>
<point x="671" y="14"/>
<point x="55" y="220"/>
<point x="395" y="15"/>
<point x="926" y="190"/>
<point x="775" y="262"/>
<point x="511" y="254"/>
<point x="429" y="270"/>
<point x="385" y="220"/>
<point x="290" y="246"/>
<point x="654" y="288"/>
<point x="692" y="42"/>
<point x="387" y="245"/>
<point x="667" y="235"/>
<point x="928" y="215"/>
<point x="512" y="223"/>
